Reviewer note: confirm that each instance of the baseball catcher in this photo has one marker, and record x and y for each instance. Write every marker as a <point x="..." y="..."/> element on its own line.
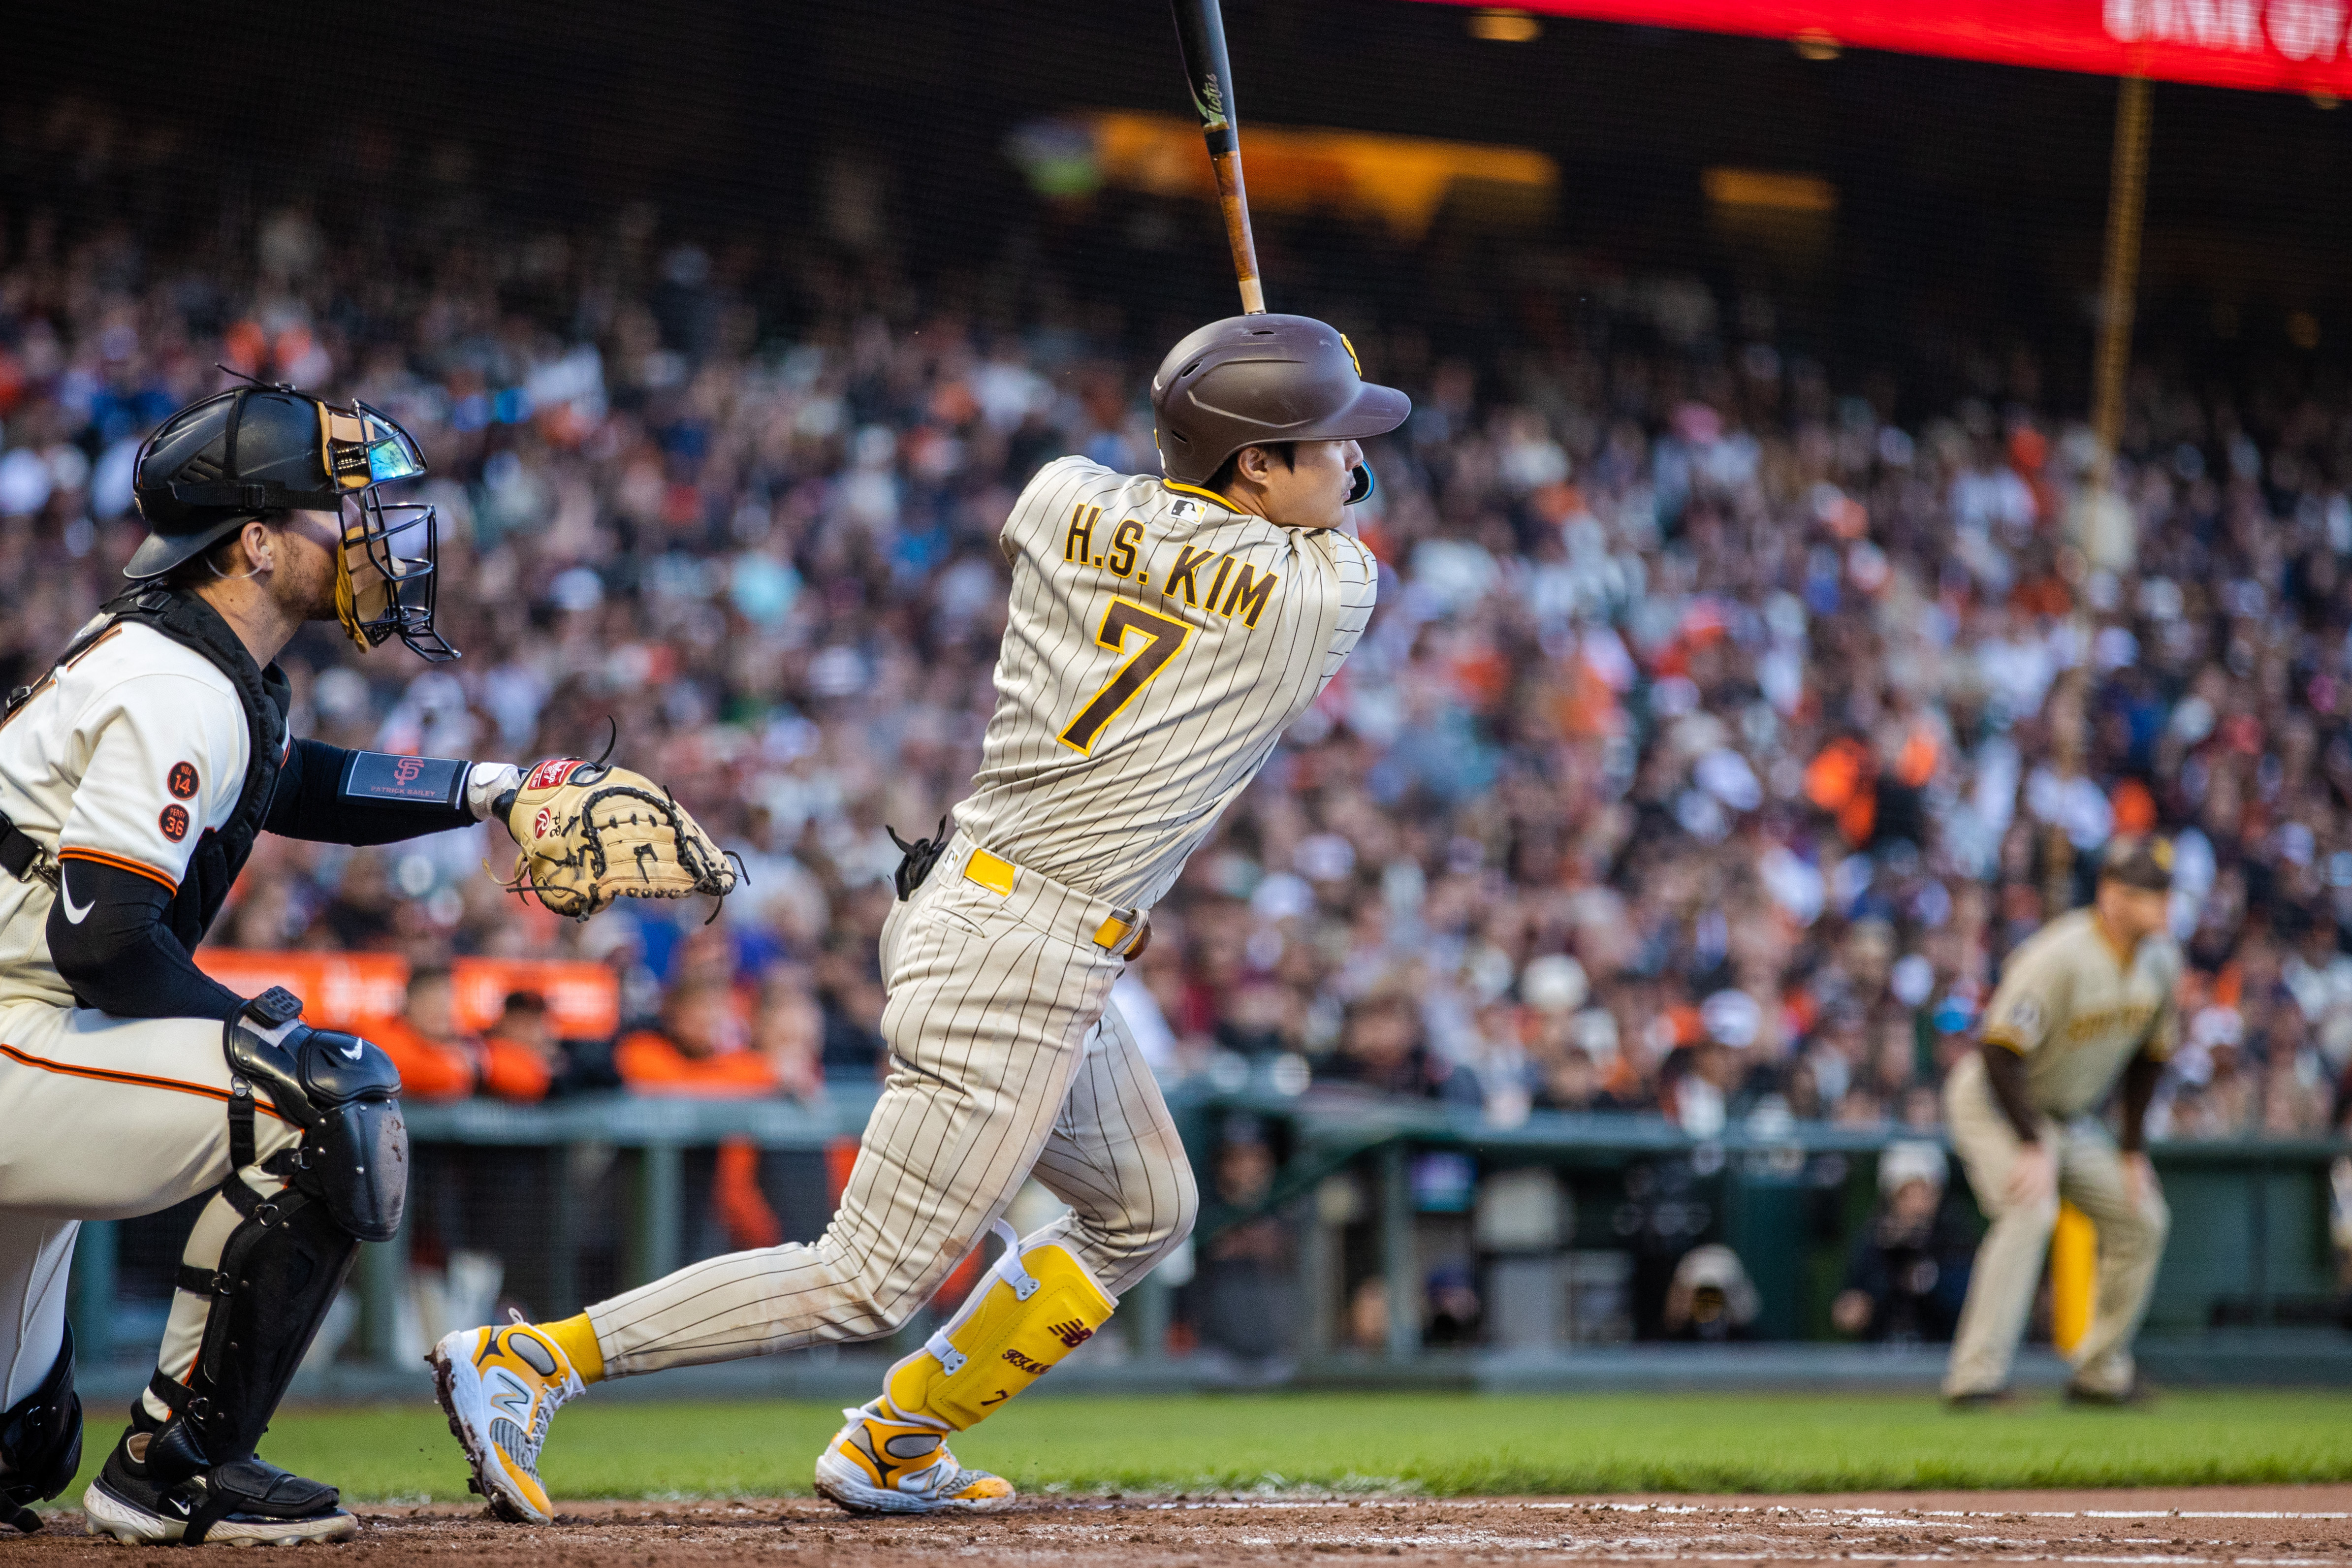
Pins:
<point x="134" y="778"/>
<point x="1164" y="631"/>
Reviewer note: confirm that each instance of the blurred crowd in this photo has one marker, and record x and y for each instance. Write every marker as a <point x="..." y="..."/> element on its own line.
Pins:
<point x="1716" y="735"/>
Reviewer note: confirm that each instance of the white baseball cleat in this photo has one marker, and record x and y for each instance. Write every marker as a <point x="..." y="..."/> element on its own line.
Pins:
<point x="881" y="1463"/>
<point x="500" y="1387"/>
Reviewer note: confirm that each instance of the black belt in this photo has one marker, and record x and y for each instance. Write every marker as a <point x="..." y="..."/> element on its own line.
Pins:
<point x="22" y="857"/>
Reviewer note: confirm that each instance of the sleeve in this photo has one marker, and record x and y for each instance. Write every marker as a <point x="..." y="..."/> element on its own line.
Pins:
<point x="2029" y="998"/>
<point x="1047" y="498"/>
<point x="429" y="1069"/>
<point x="330" y="795"/>
<point x="110" y="935"/>
<point x="166" y="763"/>
<point x="514" y="1072"/>
<point x="2164" y="1035"/>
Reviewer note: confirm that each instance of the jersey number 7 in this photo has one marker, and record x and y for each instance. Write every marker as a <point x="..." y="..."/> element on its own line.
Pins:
<point x="1163" y="637"/>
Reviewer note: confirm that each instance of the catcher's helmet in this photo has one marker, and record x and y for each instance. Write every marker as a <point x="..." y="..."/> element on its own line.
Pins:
<point x="1257" y="381"/>
<point x="218" y="463"/>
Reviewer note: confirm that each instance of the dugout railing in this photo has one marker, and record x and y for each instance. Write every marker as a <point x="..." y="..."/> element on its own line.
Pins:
<point x="597" y="1194"/>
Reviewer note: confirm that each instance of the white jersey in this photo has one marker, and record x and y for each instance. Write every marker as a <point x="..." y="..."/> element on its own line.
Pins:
<point x="127" y="756"/>
<point x="1158" y="643"/>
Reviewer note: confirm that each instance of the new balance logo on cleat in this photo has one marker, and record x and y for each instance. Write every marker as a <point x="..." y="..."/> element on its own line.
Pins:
<point x="1073" y="1333"/>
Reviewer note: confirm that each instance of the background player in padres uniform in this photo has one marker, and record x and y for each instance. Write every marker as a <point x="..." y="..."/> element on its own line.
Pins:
<point x="1163" y="633"/>
<point x="2088" y="999"/>
<point x="134" y="779"/>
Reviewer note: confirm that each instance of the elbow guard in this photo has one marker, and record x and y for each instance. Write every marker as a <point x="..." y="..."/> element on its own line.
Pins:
<point x="342" y="1091"/>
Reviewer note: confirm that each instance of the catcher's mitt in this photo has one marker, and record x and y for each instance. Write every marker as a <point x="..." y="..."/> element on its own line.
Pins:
<point x="590" y="834"/>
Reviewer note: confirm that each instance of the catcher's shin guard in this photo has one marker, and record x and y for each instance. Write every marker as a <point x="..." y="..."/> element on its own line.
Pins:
<point x="40" y="1442"/>
<point x="278" y="1273"/>
<point x="1026" y="1313"/>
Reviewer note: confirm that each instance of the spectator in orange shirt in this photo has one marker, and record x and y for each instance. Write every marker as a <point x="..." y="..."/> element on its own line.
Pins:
<point x="519" y="1055"/>
<point x="697" y="1050"/>
<point x="424" y="1043"/>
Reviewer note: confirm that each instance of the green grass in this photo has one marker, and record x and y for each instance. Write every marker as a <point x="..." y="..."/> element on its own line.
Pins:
<point x="1436" y="1444"/>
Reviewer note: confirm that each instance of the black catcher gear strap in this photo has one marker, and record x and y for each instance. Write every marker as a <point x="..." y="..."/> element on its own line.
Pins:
<point x="40" y="1439"/>
<point x="343" y="1090"/>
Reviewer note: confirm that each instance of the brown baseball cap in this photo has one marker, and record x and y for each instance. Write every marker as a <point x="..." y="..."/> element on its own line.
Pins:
<point x="2139" y="862"/>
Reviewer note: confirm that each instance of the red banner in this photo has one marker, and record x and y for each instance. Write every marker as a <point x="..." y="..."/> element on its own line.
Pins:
<point x="2278" y="45"/>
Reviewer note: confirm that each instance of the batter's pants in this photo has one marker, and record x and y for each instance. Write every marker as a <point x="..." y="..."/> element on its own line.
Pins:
<point x="1003" y="1064"/>
<point x="2009" y="1260"/>
<point x="105" y="1118"/>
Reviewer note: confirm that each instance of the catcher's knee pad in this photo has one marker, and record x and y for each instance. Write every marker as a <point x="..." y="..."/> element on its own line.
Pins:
<point x="1026" y="1313"/>
<point x="278" y="1272"/>
<point x="342" y="1091"/>
<point x="40" y="1442"/>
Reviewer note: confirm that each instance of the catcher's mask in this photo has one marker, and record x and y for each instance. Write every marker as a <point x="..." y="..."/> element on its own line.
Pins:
<point x="384" y="575"/>
<point x="260" y="449"/>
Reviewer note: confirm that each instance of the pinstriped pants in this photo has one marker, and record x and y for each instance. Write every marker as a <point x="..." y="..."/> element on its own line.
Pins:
<point x="106" y="1118"/>
<point x="2008" y="1260"/>
<point x="1006" y="1061"/>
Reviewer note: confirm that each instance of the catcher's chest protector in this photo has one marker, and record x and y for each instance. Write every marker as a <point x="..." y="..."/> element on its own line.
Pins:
<point x="265" y="694"/>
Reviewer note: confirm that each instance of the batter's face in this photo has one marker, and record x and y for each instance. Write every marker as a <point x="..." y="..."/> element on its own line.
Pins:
<point x="1309" y="491"/>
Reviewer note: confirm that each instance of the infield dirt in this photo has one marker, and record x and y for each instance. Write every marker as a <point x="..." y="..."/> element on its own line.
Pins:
<point x="2240" y="1527"/>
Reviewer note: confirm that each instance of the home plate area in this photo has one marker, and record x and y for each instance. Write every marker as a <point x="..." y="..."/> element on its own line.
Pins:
<point x="2238" y="1526"/>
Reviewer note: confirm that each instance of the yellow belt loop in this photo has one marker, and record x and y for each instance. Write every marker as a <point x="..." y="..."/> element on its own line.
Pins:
<point x="1111" y="933"/>
<point x="990" y="872"/>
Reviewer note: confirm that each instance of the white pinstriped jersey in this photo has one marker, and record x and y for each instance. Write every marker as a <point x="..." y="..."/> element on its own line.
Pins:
<point x="1157" y="645"/>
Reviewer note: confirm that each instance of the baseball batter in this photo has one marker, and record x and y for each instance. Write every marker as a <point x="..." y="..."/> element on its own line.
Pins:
<point x="1163" y="633"/>
<point x="2086" y="1000"/>
<point x="134" y="778"/>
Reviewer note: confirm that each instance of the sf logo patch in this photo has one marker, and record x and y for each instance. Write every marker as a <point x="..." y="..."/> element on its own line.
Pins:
<point x="173" y="822"/>
<point x="182" y="781"/>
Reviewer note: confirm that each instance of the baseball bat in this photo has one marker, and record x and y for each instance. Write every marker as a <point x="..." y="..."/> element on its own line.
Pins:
<point x="1209" y="77"/>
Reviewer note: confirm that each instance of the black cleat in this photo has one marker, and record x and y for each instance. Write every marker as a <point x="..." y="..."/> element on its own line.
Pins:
<point x="2140" y="1394"/>
<point x="1980" y="1399"/>
<point x="243" y="1502"/>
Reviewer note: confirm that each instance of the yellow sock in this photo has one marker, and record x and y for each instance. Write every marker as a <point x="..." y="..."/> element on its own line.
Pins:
<point x="576" y="1337"/>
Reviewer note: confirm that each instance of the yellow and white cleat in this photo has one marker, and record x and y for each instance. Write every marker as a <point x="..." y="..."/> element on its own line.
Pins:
<point x="881" y="1462"/>
<point x="500" y="1387"/>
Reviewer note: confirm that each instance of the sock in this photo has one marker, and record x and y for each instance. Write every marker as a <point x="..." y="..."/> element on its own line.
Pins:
<point x="576" y="1338"/>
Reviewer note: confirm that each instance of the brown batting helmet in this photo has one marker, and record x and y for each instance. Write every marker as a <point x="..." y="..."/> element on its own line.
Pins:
<point x="1258" y="381"/>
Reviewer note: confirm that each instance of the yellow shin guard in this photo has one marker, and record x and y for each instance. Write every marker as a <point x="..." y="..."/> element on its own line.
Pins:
<point x="1025" y="1314"/>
